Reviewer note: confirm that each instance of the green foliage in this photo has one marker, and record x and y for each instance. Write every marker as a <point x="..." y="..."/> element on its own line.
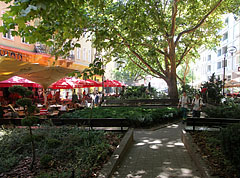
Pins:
<point x="214" y="89"/>
<point x="141" y="92"/>
<point x="191" y="92"/>
<point x="56" y="174"/>
<point x="136" y="116"/>
<point x="230" y="141"/>
<point x="60" y="150"/>
<point x="22" y="91"/>
<point x="46" y="160"/>
<point x="224" y="111"/>
<point x="138" y="31"/>
<point x="29" y="121"/>
<point x="124" y="75"/>
<point x="24" y="102"/>
<point x="211" y="146"/>
<point x="53" y="143"/>
<point x="136" y="92"/>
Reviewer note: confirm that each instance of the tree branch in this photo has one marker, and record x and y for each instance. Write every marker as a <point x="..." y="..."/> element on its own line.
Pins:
<point x="186" y="51"/>
<point x="151" y="46"/>
<point x="174" y="14"/>
<point x="141" y="59"/>
<point x="199" y="24"/>
<point x="142" y="67"/>
<point x="180" y="79"/>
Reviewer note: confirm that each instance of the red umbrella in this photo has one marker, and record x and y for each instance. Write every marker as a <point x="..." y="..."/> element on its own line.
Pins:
<point x="15" y="80"/>
<point x="92" y="83"/>
<point x="110" y="83"/>
<point x="64" y="83"/>
<point x="119" y="83"/>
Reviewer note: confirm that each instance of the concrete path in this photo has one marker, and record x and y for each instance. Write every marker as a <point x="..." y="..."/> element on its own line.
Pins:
<point x="160" y="154"/>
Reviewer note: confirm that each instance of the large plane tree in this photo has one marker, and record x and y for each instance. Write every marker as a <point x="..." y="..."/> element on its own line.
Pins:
<point x="155" y="35"/>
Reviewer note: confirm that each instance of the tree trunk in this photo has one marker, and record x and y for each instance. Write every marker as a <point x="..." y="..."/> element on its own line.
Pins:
<point x="33" y="149"/>
<point x="172" y="87"/>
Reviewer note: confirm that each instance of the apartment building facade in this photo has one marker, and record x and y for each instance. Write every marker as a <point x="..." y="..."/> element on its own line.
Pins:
<point x="212" y="61"/>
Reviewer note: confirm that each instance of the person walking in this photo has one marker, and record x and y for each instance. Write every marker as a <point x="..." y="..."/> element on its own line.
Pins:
<point x="197" y="105"/>
<point x="183" y="104"/>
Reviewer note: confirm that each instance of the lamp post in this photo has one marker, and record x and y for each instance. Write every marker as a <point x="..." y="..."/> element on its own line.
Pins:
<point x="224" y="64"/>
<point x="231" y="50"/>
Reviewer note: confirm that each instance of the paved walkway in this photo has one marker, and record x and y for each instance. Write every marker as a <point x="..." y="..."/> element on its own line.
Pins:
<point x="160" y="154"/>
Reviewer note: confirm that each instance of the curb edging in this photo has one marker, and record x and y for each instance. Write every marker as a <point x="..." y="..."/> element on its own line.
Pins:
<point x="109" y="168"/>
<point x="192" y="149"/>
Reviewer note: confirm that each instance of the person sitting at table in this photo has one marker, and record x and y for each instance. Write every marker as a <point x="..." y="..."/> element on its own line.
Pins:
<point x="49" y="96"/>
<point x="13" y="113"/>
<point x="1" y="111"/>
<point x="64" y="107"/>
<point x="44" y="111"/>
<point x="76" y="105"/>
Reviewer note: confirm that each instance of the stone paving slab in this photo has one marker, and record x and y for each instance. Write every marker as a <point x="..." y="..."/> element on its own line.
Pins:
<point x="158" y="153"/>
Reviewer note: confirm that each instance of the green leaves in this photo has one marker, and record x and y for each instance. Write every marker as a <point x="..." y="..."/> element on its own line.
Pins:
<point x="29" y="121"/>
<point x="153" y="36"/>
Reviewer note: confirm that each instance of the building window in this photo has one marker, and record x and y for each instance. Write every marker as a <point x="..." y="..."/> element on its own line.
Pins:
<point x="209" y="68"/>
<point x="224" y="50"/>
<point x="89" y="55"/>
<point x="84" y="54"/>
<point x="219" y="53"/>
<point x="229" y="77"/>
<point x="23" y="40"/>
<point x="225" y="36"/>
<point x="8" y="35"/>
<point x="78" y="53"/>
<point x="226" y="21"/>
<point x="209" y="57"/>
<point x="219" y="65"/>
<point x="223" y="63"/>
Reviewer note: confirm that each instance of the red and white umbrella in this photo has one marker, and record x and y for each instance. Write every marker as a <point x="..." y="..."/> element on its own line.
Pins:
<point x="15" y="80"/>
<point x="119" y="83"/>
<point x="64" y="83"/>
<point x="93" y="83"/>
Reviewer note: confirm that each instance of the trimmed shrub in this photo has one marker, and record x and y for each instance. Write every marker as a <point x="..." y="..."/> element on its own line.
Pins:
<point x="46" y="160"/>
<point x="230" y="141"/>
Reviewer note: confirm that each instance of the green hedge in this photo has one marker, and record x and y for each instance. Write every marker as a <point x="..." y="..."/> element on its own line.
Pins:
<point x="224" y="111"/>
<point x="137" y="116"/>
<point x="230" y="141"/>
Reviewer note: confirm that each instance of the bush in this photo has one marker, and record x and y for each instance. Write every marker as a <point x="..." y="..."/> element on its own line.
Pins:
<point x="53" y="143"/>
<point x="136" y="116"/>
<point x="58" y="148"/>
<point x="46" y="160"/>
<point x="224" y="111"/>
<point x="230" y="141"/>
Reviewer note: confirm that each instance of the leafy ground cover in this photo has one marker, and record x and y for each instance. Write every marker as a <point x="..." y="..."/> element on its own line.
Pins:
<point x="60" y="152"/>
<point x="224" y="111"/>
<point x="137" y="116"/>
<point x="221" y="150"/>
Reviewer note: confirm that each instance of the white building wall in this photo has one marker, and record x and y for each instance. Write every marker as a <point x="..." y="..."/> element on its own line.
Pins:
<point x="205" y="65"/>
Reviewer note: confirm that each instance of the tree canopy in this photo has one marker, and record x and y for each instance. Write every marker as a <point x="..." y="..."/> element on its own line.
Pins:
<point x="154" y="35"/>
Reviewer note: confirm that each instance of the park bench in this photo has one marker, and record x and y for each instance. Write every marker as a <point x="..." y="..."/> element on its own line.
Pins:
<point x="140" y="102"/>
<point x="94" y="122"/>
<point x="210" y="122"/>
